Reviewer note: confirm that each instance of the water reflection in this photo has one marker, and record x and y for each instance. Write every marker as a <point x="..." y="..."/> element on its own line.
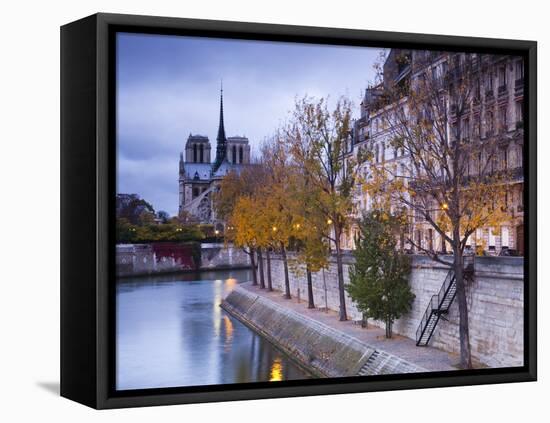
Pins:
<point x="172" y="332"/>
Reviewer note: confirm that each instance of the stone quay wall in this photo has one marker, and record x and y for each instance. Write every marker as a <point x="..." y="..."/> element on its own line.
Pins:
<point x="150" y="259"/>
<point x="495" y="304"/>
<point x="322" y="350"/>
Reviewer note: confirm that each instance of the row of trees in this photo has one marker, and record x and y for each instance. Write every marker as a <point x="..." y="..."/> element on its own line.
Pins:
<point x="291" y="200"/>
<point x="297" y="195"/>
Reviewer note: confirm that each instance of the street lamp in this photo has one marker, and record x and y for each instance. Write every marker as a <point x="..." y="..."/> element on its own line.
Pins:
<point x="329" y="222"/>
<point x="274" y="228"/>
<point x="445" y="206"/>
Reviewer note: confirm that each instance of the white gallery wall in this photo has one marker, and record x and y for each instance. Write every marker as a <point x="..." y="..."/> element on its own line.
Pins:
<point x="29" y="234"/>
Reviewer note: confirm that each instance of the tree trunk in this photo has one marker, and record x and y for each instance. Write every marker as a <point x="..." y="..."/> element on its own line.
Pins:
<point x="261" y="268"/>
<point x="310" y="302"/>
<point x="268" y="257"/>
<point x="464" y="331"/>
<point x="340" y="267"/>
<point x="285" y="265"/>
<point x="253" y="264"/>
<point x="389" y="330"/>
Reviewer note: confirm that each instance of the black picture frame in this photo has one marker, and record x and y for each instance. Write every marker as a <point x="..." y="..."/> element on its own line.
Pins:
<point x="87" y="210"/>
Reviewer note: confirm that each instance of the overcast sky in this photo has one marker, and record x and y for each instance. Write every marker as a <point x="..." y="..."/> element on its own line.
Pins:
<point x="169" y="87"/>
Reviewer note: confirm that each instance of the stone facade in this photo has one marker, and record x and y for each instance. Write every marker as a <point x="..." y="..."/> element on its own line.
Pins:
<point x="148" y="259"/>
<point x="495" y="300"/>
<point x="495" y="114"/>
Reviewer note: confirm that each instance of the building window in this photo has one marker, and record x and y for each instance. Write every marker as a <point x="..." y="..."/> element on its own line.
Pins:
<point x="489" y="122"/>
<point x="519" y="113"/>
<point x="477" y="127"/>
<point x="194" y="153"/>
<point x="454" y="131"/>
<point x="477" y="90"/>
<point x="418" y="239"/>
<point x="504" y="237"/>
<point x="502" y="76"/>
<point x="234" y="154"/>
<point x="240" y="154"/>
<point x="489" y="84"/>
<point x="376" y="151"/>
<point x="502" y="117"/>
<point x="465" y="129"/>
<point x="202" y="153"/>
<point x="195" y="192"/>
<point x="519" y="70"/>
<point x="504" y="155"/>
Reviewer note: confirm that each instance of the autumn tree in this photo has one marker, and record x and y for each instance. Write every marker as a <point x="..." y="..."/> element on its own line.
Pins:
<point x="379" y="282"/>
<point x="241" y="189"/>
<point x="447" y="177"/>
<point x="318" y="140"/>
<point x="312" y="253"/>
<point x="280" y="204"/>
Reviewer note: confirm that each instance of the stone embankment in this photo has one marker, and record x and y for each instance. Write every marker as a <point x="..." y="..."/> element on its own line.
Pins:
<point x="158" y="258"/>
<point x="321" y="349"/>
<point x="494" y="297"/>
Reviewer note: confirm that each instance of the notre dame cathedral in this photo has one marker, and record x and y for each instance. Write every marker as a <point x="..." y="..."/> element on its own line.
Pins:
<point x="199" y="177"/>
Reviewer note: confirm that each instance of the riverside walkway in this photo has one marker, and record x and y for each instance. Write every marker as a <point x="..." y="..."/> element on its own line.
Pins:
<point x="430" y="358"/>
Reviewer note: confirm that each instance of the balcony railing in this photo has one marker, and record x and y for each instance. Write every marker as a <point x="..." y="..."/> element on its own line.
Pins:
<point x="488" y="93"/>
<point x="502" y="90"/>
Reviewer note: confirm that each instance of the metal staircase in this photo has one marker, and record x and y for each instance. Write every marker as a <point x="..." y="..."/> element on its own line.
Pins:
<point x="440" y="303"/>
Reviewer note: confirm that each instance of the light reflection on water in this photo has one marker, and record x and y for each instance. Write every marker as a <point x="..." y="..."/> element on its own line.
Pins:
<point x="171" y="332"/>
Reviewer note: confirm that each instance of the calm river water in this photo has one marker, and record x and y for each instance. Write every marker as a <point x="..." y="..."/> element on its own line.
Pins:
<point x="171" y="332"/>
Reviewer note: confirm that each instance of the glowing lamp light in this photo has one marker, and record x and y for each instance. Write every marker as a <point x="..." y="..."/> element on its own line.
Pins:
<point x="329" y="222"/>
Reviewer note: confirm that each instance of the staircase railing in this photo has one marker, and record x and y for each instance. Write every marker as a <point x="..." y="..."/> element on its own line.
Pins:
<point x="440" y="303"/>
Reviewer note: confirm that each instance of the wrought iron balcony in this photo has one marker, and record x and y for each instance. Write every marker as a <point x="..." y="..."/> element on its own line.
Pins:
<point x="502" y="90"/>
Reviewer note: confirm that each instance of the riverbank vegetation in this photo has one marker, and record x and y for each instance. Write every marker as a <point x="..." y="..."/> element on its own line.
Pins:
<point x="137" y="222"/>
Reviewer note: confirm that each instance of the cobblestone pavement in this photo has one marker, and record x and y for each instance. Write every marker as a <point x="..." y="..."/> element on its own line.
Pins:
<point x="427" y="357"/>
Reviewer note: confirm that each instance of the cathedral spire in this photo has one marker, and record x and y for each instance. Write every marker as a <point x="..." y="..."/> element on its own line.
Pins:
<point x="221" y="128"/>
<point x="221" y="139"/>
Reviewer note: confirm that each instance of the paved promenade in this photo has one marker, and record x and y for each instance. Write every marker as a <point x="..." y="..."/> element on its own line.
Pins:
<point x="427" y="357"/>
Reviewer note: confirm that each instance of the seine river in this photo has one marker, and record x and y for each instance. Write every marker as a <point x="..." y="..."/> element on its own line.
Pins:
<point x="171" y="332"/>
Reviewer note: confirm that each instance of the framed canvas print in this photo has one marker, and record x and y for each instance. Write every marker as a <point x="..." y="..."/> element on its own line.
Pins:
<point x="258" y="211"/>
